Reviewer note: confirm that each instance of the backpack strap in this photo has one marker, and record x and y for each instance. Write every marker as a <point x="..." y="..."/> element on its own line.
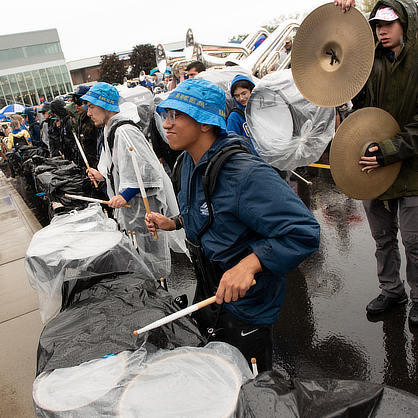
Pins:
<point x="111" y="141"/>
<point x="239" y="111"/>
<point x="176" y="173"/>
<point x="210" y="177"/>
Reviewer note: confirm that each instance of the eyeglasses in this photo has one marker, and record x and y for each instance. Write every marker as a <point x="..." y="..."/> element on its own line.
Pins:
<point x="171" y="114"/>
<point x="243" y="94"/>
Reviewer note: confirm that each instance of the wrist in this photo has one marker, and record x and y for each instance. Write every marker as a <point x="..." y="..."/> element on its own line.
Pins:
<point x="177" y="222"/>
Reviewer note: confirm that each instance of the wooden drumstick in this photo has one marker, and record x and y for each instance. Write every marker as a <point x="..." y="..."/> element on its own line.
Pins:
<point x="80" y="148"/>
<point x="179" y="314"/>
<point x="91" y="199"/>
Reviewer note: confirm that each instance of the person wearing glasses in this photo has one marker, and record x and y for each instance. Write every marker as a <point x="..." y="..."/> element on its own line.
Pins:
<point x="241" y="89"/>
<point x="260" y="229"/>
<point x="87" y="132"/>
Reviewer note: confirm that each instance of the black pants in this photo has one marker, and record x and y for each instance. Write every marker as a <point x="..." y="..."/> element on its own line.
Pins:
<point x="252" y="340"/>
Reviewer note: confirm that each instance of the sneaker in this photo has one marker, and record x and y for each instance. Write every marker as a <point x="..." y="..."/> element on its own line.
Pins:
<point x="382" y="303"/>
<point x="413" y="314"/>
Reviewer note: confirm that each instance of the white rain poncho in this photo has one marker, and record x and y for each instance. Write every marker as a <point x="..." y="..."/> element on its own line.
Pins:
<point x="77" y="242"/>
<point x="154" y="252"/>
<point x="184" y="382"/>
<point x="287" y="131"/>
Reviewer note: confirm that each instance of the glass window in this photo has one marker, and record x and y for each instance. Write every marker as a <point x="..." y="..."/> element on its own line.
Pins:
<point x="11" y="53"/>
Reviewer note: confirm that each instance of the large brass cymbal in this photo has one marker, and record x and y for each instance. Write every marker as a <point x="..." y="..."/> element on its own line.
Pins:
<point x="332" y="55"/>
<point x="350" y="142"/>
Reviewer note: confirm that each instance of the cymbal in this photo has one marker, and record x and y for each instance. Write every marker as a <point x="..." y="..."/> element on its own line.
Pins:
<point x="332" y="55"/>
<point x="350" y="142"/>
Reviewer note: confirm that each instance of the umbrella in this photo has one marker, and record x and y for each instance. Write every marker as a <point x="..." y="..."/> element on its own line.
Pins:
<point x="11" y="109"/>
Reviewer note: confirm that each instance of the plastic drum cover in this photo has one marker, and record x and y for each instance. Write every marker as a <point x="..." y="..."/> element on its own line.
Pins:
<point x="70" y="389"/>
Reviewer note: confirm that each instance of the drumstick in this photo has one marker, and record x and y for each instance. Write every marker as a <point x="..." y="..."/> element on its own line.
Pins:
<point x="141" y="186"/>
<point x="90" y="199"/>
<point x="297" y="175"/>
<point x="179" y="314"/>
<point x="80" y="148"/>
<point x="254" y="365"/>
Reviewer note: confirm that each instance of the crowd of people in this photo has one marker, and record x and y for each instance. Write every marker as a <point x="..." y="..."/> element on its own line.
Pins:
<point x="242" y="237"/>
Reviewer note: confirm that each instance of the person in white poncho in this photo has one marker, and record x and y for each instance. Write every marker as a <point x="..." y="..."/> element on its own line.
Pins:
<point x="117" y="168"/>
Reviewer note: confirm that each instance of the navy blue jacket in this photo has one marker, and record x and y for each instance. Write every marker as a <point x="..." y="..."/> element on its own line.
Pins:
<point x="255" y="211"/>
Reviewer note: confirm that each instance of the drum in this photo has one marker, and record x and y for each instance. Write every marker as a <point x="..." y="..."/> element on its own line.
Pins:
<point x="87" y="390"/>
<point x="185" y="383"/>
<point x="63" y="253"/>
<point x="287" y="131"/>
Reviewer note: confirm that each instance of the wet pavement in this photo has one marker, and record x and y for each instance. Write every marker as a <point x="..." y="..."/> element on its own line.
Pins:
<point x="323" y="330"/>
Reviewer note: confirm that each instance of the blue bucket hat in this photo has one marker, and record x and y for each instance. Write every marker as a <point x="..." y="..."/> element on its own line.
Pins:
<point x="103" y="95"/>
<point x="202" y="100"/>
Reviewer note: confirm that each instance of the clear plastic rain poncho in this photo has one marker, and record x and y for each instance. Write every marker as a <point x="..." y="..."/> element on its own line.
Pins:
<point x="223" y="79"/>
<point x="159" y="190"/>
<point x="287" y="131"/>
<point x="85" y="240"/>
<point x="143" y="99"/>
<point x="186" y="382"/>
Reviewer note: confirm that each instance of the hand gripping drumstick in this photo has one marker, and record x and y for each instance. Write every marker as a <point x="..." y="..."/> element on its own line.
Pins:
<point x="91" y="199"/>
<point x="80" y="148"/>
<point x="179" y="314"/>
<point x="141" y="185"/>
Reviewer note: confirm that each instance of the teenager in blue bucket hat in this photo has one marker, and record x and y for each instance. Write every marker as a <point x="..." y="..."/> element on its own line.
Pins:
<point x="202" y="100"/>
<point x="127" y="161"/>
<point x="244" y="240"/>
<point x="103" y="95"/>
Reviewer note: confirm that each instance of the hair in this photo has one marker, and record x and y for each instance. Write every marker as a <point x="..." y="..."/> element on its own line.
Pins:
<point x="245" y="84"/>
<point x="198" y="65"/>
<point x="14" y="124"/>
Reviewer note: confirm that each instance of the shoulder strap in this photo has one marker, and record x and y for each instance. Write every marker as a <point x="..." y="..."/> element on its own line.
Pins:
<point x="210" y="177"/>
<point x="111" y="135"/>
<point x="176" y="173"/>
<point x="239" y="111"/>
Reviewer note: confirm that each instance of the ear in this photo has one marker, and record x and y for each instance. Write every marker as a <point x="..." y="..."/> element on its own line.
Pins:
<point x="206" y="128"/>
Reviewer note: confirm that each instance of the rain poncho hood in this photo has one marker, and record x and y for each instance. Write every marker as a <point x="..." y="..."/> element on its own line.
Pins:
<point x="30" y="114"/>
<point x="58" y="108"/>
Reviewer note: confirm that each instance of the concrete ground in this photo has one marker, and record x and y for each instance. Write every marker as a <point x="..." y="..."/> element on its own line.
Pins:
<point x="20" y="321"/>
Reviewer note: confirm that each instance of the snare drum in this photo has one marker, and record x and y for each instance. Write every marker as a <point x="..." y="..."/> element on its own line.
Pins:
<point x="197" y="383"/>
<point x="90" y="389"/>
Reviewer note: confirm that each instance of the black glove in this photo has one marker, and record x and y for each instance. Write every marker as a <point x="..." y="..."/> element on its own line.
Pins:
<point x="378" y="154"/>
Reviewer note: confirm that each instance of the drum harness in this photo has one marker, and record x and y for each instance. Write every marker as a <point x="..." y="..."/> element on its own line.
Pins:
<point x="208" y="272"/>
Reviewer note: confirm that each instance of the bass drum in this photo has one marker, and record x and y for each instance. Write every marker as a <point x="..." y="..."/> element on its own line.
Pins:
<point x="287" y="131"/>
<point x="80" y="391"/>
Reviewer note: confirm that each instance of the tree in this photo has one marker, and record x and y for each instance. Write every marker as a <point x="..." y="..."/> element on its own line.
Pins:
<point x="238" y="38"/>
<point x="112" y="69"/>
<point x="142" y="59"/>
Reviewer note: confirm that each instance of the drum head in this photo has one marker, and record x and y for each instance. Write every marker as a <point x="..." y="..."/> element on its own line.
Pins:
<point x="267" y="105"/>
<point x="192" y="385"/>
<point x="97" y="243"/>
<point x="74" y="387"/>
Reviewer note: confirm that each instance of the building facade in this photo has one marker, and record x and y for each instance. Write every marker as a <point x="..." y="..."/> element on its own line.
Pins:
<point x="32" y="68"/>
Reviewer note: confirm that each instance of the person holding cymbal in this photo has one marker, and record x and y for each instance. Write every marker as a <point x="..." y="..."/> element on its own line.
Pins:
<point x="393" y="87"/>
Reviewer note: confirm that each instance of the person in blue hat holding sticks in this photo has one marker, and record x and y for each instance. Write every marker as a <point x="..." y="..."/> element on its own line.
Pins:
<point x="126" y="153"/>
<point x="254" y="228"/>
